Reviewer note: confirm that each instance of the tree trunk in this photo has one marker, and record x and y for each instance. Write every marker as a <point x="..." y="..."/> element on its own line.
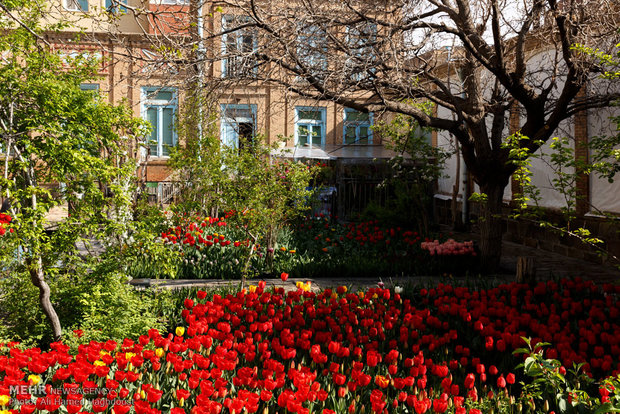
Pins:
<point x="35" y="268"/>
<point x="271" y="241"/>
<point x="491" y="227"/>
<point x="246" y="266"/>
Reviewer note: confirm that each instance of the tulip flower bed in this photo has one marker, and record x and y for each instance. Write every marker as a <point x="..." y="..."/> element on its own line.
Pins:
<point x="445" y="349"/>
<point x="212" y="248"/>
<point x="451" y="256"/>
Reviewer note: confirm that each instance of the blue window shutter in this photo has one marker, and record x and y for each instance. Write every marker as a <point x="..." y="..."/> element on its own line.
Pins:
<point x="83" y="5"/>
<point x="229" y="134"/>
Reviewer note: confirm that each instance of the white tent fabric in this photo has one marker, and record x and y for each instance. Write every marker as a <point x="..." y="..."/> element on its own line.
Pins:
<point x="334" y="152"/>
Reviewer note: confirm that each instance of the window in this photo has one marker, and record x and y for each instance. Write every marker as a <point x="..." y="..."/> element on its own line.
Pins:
<point x="238" y="48"/>
<point x="116" y="6"/>
<point x="312" y="48"/>
<point x="309" y="126"/>
<point x="424" y="133"/>
<point x="159" y="109"/>
<point x="362" y="40"/>
<point x="357" y="127"/>
<point x="94" y="87"/>
<point x="238" y="126"/>
<point x="76" y="5"/>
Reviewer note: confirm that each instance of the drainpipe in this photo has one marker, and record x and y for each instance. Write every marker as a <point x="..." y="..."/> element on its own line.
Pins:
<point x="464" y="173"/>
<point x="200" y="55"/>
<point x="465" y="209"/>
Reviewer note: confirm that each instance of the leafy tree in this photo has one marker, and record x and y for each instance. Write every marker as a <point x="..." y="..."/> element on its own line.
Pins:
<point x="264" y="192"/>
<point x="414" y="169"/>
<point x="61" y="145"/>
<point x="603" y="161"/>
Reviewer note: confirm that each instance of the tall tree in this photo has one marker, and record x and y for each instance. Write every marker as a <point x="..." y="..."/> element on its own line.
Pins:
<point x="378" y="55"/>
<point x="60" y="145"/>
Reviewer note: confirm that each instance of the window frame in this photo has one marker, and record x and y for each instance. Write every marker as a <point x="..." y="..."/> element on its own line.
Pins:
<point x="90" y="87"/>
<point x="310" y="123"/>
<point x="317" y="57"/>
<point x="116" y="6"/>
<point x="82" y="5"/>
<point x="224" y="121"/>
<point x="237" y="20"/>
<point x="357" y="125"/>
<point x="160" y="104"/>
<point x="359" y="46"/>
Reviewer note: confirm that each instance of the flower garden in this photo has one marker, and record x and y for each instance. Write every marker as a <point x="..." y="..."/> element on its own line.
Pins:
<point x="214" y="248"/>
<point x="443" y="349"/>
<point x="512" y="348"/>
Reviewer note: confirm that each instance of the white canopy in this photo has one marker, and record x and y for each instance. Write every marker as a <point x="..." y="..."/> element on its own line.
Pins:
<point x="333" y="152"/>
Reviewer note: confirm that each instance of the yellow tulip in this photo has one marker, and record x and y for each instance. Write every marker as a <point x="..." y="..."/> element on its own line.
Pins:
<point x="159" y="352"/>
<point x="34" y="379"/>
<point x="4" y="400"/>
<point x="180" y="331"/>
<point x="252" y="288"/>
<point x="98" y="363"/>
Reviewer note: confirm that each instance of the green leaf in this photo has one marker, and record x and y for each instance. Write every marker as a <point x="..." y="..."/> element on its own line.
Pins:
<point x="606" y="408"/>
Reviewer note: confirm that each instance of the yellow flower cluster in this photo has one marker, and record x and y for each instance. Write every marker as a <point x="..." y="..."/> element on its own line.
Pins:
<point x="304" y="286"/>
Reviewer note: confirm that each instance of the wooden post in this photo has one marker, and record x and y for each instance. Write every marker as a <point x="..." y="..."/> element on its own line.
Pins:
<point x="526" y="270"/>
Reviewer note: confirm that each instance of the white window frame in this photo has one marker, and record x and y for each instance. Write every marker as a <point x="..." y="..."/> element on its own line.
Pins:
<point x="236" y="121"/>
<point x="238" y="34"/>
<point x="357" y="125"/>
<point x="310" y="123"/>
<point x="160" y="105"/>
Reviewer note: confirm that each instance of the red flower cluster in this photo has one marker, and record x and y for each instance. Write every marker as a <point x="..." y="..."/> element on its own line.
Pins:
<point x="365" y="234"/>
<point x="4" y="219"/>
<point x="195" y="233"/>
<point x="449" y="248"/>
<point x="326" y="352"/>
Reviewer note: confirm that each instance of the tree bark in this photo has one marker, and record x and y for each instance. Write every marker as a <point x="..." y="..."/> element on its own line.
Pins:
<point x="491" y="227"/>
<point x="35" y="268"/>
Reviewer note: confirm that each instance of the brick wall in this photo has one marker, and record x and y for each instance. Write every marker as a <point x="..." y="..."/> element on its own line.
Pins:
<point x="533" y="235"/>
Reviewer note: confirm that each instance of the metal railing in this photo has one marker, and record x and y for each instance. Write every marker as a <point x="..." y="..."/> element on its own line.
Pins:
<point x="164" y="193"/>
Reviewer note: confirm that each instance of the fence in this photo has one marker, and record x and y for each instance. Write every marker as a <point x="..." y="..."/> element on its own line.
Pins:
<point x="162" y="192"/>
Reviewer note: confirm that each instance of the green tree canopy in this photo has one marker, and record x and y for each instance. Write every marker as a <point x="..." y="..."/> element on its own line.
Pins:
<point x="60" y="144"/>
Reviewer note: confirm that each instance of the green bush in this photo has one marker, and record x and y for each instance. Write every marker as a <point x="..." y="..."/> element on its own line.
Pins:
<point x="100" y="305"/>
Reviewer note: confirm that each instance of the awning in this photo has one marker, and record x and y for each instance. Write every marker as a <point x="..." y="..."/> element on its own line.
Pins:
<point x="334" y="152"/>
